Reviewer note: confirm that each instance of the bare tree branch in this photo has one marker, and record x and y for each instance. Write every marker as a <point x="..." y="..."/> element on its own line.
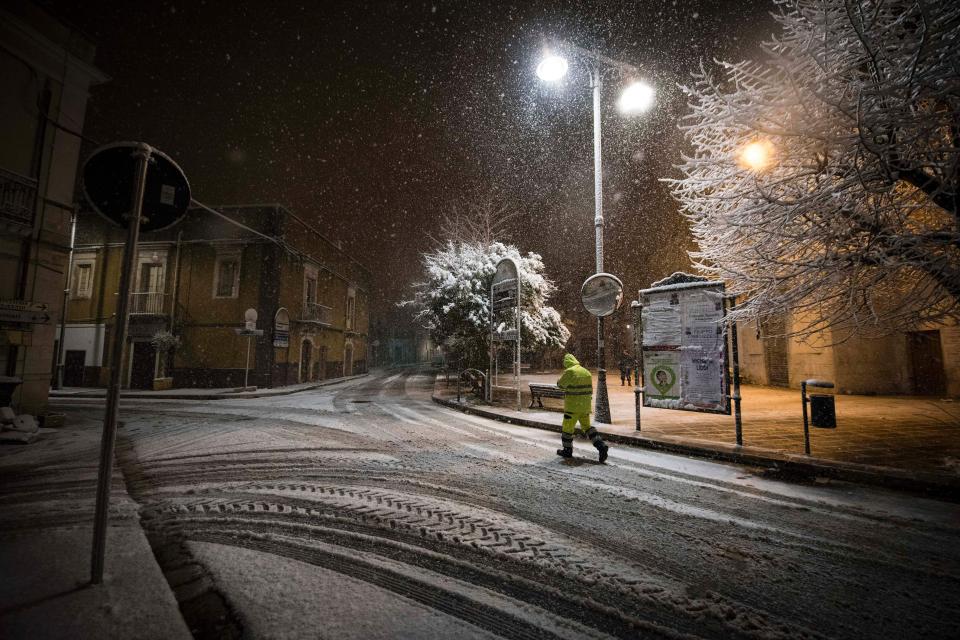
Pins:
<point x="853" y="226"/>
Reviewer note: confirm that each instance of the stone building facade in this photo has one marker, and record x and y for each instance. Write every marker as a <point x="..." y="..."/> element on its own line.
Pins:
<point x="925" y="362"/>
<point x="196" y="279"/>
<point x="46" y="71"/>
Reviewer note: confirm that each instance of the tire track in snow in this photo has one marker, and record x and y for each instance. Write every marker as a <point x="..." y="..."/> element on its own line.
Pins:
<point x="413" y="426"/>
<point x="512" y="541"/>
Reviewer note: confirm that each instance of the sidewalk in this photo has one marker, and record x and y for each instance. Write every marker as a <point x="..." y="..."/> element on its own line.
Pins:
<point x="198" y="394"/>
<point x="903" y="440"/>
<point x="47" y="496"/>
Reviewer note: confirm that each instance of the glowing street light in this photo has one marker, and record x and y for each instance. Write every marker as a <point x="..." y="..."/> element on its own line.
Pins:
<point x="552" y="68"/>
<point x="756" y="155"/>
<point x="636" y="98"/>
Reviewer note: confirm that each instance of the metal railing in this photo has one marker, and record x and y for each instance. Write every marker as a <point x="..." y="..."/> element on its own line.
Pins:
<point x="313" y="312"/>
<point x="147" y="302"/>
<point x="17" y="196"/>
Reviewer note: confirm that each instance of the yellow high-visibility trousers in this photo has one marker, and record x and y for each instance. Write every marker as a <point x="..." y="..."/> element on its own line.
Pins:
<point x="570" y="421"/>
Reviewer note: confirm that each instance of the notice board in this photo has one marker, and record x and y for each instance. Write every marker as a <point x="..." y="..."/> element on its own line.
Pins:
<point x="684" y="347"/>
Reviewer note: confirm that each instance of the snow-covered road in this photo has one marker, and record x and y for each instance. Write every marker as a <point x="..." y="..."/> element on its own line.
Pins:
<point x="366" y="511"/>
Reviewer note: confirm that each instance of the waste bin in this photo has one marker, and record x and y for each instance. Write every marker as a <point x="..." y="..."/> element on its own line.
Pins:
<point x="823" y="412"/>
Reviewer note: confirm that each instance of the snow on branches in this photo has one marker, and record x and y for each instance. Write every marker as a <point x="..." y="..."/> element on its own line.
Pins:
<point x="453" y="302"/>
<point x="846" y="214"/>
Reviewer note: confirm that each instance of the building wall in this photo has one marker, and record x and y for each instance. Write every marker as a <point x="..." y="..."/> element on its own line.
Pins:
<point x="750" y="349"/>
<point x="45" y="76"/>
<point x="326" y="339"/>
<point x="808" y="359"/>
<point x="102" y="301"/>
<point x="271" y="277"/>
<point x="864" y="366"/>
<point x="212" y="354"/>
<point x="89" y="338"/>
<point x="873" y="365"/>
<point x="950" y="342"/>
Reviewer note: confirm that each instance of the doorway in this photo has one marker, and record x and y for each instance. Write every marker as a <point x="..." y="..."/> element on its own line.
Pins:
<point x="142" y="366"/>
<point x="320" y="364"/>
<point x="926" y="363"/>
<point x="306" y="368"/>
<point x="348" y="359"/>
<point x="73" y="364"/>
<point x="775" y="345"/>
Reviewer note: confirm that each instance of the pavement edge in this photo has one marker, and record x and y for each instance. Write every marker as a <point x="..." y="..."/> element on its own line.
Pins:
<point x="790" y="464"/>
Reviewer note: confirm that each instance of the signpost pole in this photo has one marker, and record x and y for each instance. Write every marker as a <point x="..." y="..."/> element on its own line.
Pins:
<point x="638" y="358"/>
<point x="736" y="384"/>
<point x="490" y="370"/>
<point x="516" y="363"/>
<point x="108" y="439"/>
<point x="246" y="367"/>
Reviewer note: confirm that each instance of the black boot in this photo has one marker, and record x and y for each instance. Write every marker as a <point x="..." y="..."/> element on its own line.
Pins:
<point x="566" y="452"/>
<point x="602" y="448"/>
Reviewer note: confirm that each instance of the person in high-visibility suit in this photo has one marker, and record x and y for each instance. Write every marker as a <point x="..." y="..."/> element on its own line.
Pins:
<point x="577" y="385"/>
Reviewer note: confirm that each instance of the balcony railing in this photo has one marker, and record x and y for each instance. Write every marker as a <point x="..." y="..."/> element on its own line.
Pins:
<point x="147" y="302"/>
<point x="313" y="312"/>
<point x="17" y="195"/>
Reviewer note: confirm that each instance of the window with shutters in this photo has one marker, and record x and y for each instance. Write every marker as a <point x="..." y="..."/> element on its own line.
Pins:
<point x="82" y="282"/>
<point x="227" y="275"/>
<point x="351" y="318"/>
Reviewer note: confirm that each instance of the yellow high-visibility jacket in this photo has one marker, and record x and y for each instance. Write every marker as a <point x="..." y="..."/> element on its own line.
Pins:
<point x="577" y="385"/>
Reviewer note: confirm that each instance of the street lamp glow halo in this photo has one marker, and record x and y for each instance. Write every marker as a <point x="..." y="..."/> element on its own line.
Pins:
<point x="756" y="155"/>
<point x="552" y="68"/>
<point x="636" y="98"/>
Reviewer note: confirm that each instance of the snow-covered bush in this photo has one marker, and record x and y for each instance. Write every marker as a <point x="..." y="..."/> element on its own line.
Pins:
<point x="165" y="343"/>
<point x="847" y="213"/>
<point x="453" y="302"/>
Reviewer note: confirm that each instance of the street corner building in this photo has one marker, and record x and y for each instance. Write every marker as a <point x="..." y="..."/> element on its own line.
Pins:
<point x="192" y="286"/>
<point x="46" y="73"/>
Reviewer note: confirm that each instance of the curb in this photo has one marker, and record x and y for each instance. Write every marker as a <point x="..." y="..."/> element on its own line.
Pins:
<point x="153" y="395"/>
<point x="793" y="464"/>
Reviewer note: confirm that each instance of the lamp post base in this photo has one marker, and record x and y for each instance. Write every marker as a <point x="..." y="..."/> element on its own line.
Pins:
<point x="601" y="411"/>
<point x="637" y="403"/>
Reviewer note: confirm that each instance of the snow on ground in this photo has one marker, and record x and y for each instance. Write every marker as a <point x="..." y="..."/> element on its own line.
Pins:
<point x="371" y="493"/>
<point x="284" y="598"/>
<point x="47" y="492"/>
<point x="45" y="590"/>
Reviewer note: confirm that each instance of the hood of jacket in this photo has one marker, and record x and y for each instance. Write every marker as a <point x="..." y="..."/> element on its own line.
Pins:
<point x="569" y="361"/>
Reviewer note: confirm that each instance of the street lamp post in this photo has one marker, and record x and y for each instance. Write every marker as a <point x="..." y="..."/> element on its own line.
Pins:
<point x="638" y="96"/>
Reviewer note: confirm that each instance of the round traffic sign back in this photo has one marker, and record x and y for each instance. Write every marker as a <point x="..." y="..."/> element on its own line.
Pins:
<point x="108" y="185"/>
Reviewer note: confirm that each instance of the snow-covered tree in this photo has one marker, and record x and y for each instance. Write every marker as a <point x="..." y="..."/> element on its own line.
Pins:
<point x="453" y="301"/>
<point x="823" y="179"/>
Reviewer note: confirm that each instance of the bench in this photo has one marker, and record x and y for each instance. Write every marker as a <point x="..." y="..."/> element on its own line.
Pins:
<point x="540" y="391"/>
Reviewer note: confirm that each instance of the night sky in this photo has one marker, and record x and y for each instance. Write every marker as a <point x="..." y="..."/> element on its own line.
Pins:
<point x="373" y="118"/>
